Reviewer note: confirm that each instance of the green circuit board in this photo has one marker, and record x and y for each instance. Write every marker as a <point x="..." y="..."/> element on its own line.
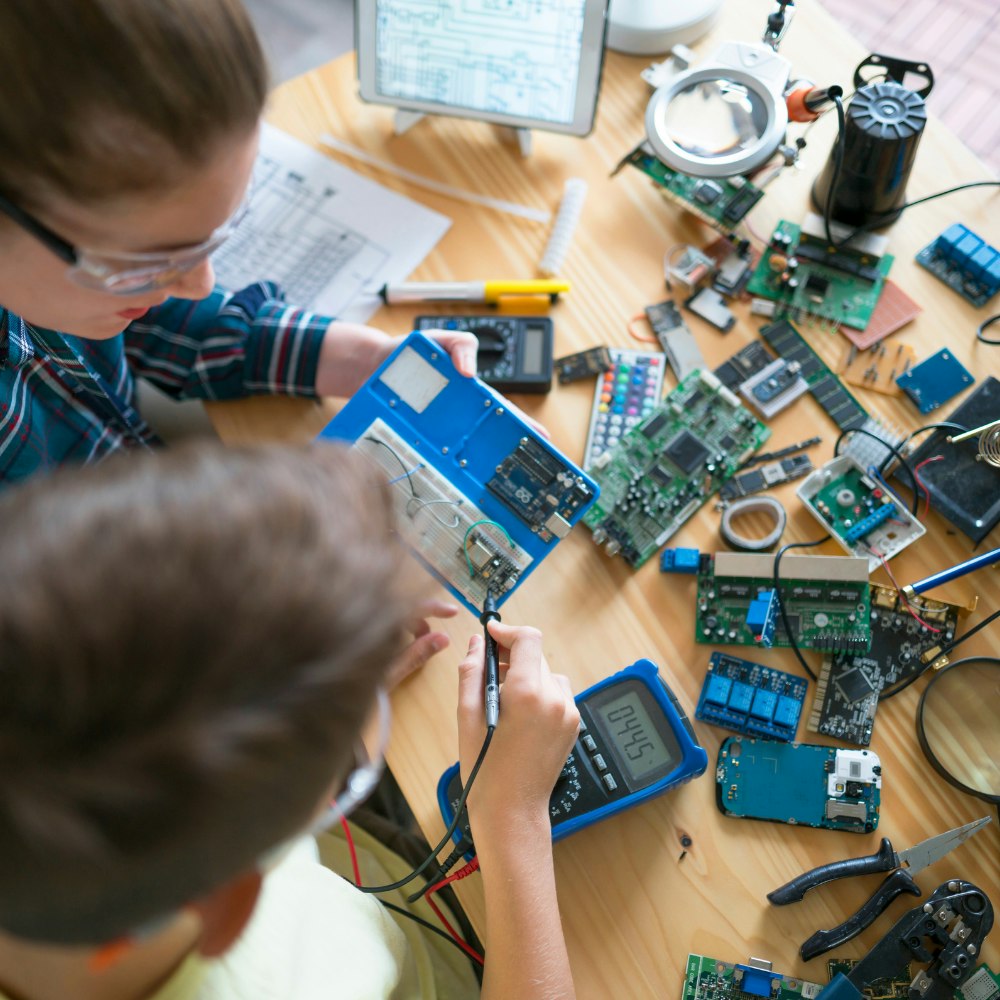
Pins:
<point x="897" y="988"/>
<point x="841" y="285"/>
<point x="665" y="468"/>
<point x="983" y="984"/>
<point x="826" y="598"/>
<point x="712" y="979"/>
<point x="721" y="202"/>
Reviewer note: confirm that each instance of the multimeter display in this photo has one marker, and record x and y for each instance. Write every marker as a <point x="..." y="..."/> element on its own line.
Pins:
<point x="515" y="352"/>
<point x="635" y="742"/>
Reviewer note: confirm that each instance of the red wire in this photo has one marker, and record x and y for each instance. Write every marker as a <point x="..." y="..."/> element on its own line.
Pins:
<point x="902" y="596"/>
<point x="472" y="866"/>
<point x="352" y="850"/>
<point x="634" y="334"/>
<point x="919" y="482"/>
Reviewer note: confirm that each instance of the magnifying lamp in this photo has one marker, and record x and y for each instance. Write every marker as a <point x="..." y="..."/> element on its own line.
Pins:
<point x="724" y="117"/>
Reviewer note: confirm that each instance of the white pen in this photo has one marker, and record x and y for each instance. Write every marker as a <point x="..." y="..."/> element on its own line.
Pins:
<point x="469" y="291"/>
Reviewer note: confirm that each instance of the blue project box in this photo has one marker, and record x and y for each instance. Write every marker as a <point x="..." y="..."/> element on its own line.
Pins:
<point x="479" y="494"/>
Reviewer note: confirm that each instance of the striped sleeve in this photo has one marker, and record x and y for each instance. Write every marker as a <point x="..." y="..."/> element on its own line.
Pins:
<point x="228" y="345"/>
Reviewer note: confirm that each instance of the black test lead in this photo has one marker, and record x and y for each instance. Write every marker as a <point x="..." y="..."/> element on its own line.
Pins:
<point x="492" y="693"/>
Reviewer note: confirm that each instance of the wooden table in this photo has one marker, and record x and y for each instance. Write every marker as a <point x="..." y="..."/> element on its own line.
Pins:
<point x="632" y="910"/>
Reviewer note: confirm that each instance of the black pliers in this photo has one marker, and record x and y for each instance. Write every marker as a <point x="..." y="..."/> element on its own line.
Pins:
<point x="901" y="864"/>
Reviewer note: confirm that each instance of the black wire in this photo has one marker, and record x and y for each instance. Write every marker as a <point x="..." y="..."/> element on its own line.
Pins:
<point x="781" y="604"/>
<point x="943" y="651"/>
<point x="944" y="425"/>
<point x="986" y="323"/>
<point x="427" y="925"/>
<point x="451" y="828"/>
<point x="893" y="450"/>
<point x="932" y="758"/>
<point x="408" y="473"/>
<point x="838" y="163"/>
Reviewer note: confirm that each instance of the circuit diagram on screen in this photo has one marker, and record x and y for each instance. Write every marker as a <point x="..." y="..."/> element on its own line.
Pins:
<point x="514" y="57"/>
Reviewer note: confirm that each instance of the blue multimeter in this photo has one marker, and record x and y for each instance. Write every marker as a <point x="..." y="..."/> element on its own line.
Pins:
<point x="635" y="742"/>
<point x="480" y="497"/>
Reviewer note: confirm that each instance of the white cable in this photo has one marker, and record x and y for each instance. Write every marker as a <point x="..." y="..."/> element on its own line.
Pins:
<point x="753" y="505"/>
<point x="574" y="194"/>
<point x="512" y="208"/>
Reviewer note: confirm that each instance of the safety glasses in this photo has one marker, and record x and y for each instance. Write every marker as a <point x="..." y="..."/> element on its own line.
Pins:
<point x="120" y="273"/>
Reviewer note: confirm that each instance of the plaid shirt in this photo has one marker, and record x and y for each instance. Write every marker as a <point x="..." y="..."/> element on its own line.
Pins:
<point x="69" y="399"/>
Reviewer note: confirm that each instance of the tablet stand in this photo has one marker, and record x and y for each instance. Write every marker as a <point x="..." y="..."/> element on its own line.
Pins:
<point x="404" y="120"/>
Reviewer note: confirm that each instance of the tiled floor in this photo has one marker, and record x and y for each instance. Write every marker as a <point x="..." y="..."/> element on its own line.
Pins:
<point x="958" y="39"/>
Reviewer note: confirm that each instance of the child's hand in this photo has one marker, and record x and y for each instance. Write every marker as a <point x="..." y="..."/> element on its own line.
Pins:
<point x="426" y="642"/>
<point x="538" y="724"/>
<point x="352" y="351"/>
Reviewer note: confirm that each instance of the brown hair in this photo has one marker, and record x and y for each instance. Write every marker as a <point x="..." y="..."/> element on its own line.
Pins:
<point x="106" y="97"/>
<point x="189" y="645"/>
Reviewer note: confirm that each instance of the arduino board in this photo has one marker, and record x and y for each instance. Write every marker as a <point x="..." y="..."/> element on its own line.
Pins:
<point x="720" y="202"/>
<point x="748" y="698"/>
<point x="799" y="783"/>
<point x="849" y="685"/>
<point x="712" y="979"/>
<point x="804" y="275"/>
<point x="479" y="497"/>
<point x="826" y="600"/>
<point x="666" y="467"/>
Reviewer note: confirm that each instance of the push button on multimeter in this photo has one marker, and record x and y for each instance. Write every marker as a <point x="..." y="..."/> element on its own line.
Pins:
<point x="588" y="743"/>
<point x="609" y="782"/>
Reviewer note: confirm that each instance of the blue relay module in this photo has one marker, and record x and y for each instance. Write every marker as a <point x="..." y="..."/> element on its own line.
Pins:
<point x="965" y="263"/>
<point x="748" y="698"/>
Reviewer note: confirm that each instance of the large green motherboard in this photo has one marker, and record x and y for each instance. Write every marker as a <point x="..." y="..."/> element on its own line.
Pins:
<point x="665" y="468"/>
<point x="826" y="600"/>
<point x="804" y="275"/>
<point x="721" y="202"/>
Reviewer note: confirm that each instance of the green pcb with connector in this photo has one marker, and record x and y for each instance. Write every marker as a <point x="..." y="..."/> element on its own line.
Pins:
<point x="712" y="979"/>
<point x="799" y="271"/>
<point x="721" y="202"/>
<point x="665" y="468"/>
<point x="983" y="984"/>
<point x="826" y="599"/>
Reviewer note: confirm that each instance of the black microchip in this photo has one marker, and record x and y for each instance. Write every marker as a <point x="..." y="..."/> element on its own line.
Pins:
<point x="817" y="285"/>
<point x="741" y="203"/>
<point x="654" y="424"/>
<point x="743" y="485"/>
<point x="853" y="685"/>
<point x="707" y="192"/>
<point x="694" y="397"/>
<point x="686" y="452"/>
<point x="727" y="442"/>
<point x="661" y="476"/>
<point x="855" y="789"/>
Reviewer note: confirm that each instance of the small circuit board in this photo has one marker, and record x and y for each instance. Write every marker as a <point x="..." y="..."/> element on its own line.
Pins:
<point x="878" y="989"/>
<point x="745" y="484"/>
<point x="826" y="600"/>
<point x="894" y="310"/>
<point x="838" y="404"/>
<point x="720" y="202"/>
<point x="774" y="388"/>
<point x="584" y="364"/>
<point x="744" y="364"/>
<point x="804" y="275"/>
<point x="799" y="783"/>
<point x="983" y="984"/>
<point x="712" y="979"/>
<point x="859" y="511"/>
<point x="878" y="368"/>
<point x="849" y="684"/>
<point x="748" y="698"/>
<point x="935" y="380"/>
<point x="965" y="263"/>
<point x="665" y="468"/>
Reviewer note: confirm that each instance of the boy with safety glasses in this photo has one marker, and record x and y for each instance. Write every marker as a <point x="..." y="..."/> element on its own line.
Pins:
<point x="165" y="747"/>
<point x="128" y="136"/>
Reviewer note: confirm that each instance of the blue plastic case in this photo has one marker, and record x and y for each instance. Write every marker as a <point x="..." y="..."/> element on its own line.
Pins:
<point x="565" y="800"/>
<point x="437" y="434"/>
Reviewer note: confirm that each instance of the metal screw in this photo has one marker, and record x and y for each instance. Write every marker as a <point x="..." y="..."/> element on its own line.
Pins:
<point x="392" y="403"/>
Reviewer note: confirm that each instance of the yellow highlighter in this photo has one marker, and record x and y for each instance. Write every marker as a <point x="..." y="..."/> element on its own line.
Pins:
<point x="470" y="291"/>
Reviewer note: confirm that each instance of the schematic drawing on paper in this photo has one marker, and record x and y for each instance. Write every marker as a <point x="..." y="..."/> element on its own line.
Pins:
<point x="518" y="57"/>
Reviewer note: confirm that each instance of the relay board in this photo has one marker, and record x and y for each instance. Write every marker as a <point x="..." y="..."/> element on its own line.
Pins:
<point x="864" y="517"/>
<point x="804" y="275"/>
<point x="965" y="263"/>
<point x="799" y="783"/>
<point x="826" y="600"/>
<point x="721" y="202"/>
<point x="849" y="685"/>
<point x="667" y="466"/>
<point x="749" y="698"/>
<point x="480" y="498"/>
<point x="712" y="979"/>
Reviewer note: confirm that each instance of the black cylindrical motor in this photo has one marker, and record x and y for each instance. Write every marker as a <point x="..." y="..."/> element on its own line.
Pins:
<point x="884" y="122"/>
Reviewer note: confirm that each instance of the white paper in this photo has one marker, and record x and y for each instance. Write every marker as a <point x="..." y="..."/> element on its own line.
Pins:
<point x="328" y="236"/>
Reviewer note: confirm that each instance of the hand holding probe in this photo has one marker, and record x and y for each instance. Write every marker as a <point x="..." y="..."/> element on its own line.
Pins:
<point x="492" y="692"/>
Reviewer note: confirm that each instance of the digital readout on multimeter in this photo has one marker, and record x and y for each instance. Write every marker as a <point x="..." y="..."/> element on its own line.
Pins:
<point x="643" y="752"/>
